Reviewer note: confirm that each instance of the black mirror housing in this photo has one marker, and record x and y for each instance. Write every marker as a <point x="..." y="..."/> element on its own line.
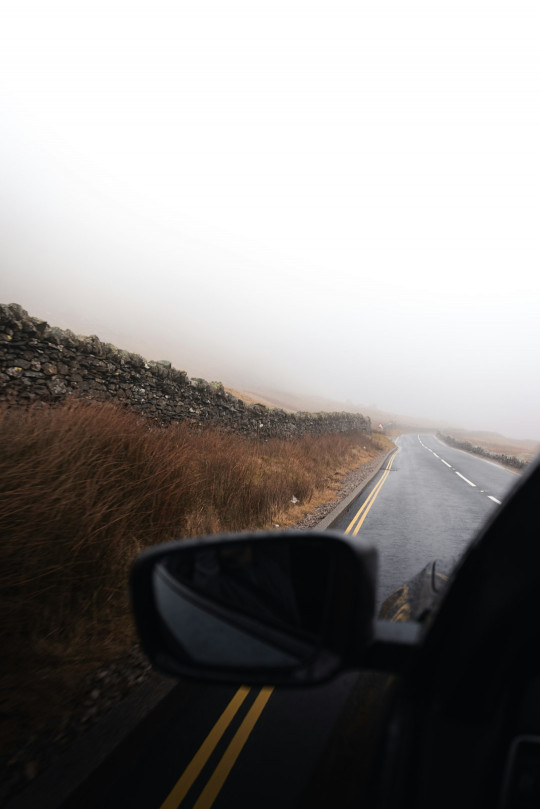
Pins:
<point x="289" y="608"/>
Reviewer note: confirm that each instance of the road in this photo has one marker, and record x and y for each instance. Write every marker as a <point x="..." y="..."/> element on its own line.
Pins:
<point x="224" y="747"/>
<point x="426" y="507"/>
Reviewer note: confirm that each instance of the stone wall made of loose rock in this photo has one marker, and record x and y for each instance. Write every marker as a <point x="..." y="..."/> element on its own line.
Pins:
<point x="43" y="363"/>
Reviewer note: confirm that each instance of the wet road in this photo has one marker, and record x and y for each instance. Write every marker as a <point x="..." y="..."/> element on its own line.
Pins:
<point x="219" y="746"/>
<point x="206" y="746"/>
<point x="433" y="501"/>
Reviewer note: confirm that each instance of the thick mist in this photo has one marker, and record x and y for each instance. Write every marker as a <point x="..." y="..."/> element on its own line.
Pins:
<point x="333" y="199"/>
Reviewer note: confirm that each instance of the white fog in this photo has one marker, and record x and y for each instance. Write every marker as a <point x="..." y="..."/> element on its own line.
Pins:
<point x="328" y="199"/>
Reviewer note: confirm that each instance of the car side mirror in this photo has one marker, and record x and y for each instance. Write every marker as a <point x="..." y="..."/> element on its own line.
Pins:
<point x="289" y="608"/>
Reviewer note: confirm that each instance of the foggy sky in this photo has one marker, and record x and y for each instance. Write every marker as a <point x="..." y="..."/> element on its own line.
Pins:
<point x="334" y="198"/>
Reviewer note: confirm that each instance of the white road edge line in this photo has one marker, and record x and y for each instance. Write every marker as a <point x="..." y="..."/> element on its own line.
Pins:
<point x="466" y="480"/>
<point x="446" y="462"/>
<point x="494" y="499"/>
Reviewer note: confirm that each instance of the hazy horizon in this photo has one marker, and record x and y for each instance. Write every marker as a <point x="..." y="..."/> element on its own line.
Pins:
<point x="294" y="399"/>
<point x="335" y="200"/>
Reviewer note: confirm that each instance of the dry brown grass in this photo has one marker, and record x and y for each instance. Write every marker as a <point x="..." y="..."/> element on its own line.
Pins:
<point x="500" y="444"/>
<point x="85" y="486"/>
<point x="368" y="449"/>
<point x="249" y="398"/>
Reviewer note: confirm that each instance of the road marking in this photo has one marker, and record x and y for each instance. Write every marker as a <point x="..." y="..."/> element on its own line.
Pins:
<point x="458" y="473"/>
<point x="395" y="603"/>
<point x="193" y="769"/>
<point x="363" y="511"/>
<point x="220" y="774"/>
<point x="466" y="479"/>
<point x="403" y="614"/>
<point x="366" y="505"/>
<point x="369" y="502"/>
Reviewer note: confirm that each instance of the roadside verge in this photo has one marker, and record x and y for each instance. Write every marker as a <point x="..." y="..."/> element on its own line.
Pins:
<point x="58" y="783"/>
<point x="331" y="519"/>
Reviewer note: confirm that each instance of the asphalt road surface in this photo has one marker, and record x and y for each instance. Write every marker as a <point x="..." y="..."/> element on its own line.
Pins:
<point x="227" y="747"/>
<point x="429" y="505"/>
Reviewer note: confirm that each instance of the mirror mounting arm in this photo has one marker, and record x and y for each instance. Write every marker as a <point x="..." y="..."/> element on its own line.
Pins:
<point x="393" y="646"/>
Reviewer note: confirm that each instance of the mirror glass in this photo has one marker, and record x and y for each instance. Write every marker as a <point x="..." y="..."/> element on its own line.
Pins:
<point x="247" y="604"/>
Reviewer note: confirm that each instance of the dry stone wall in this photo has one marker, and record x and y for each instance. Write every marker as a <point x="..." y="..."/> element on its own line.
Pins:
<point x="498" y="457"/>
<point x="43" y="363"/>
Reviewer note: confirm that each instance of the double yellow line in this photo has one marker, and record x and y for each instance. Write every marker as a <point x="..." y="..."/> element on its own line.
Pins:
<point x="233" y="750"/>
<point x="358" y="520"/>
<point x="228" y="759"/>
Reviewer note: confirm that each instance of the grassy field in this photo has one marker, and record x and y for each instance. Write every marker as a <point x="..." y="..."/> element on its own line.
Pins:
<point x="499" y="444"/>
<point x="86" y="486"/>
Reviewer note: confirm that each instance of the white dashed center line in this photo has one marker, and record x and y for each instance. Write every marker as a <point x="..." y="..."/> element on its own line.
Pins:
<point x="466" y="479"/>
<point x="482" y="491"/>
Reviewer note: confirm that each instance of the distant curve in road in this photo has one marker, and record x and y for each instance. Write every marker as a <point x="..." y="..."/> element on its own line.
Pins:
<point x="432" y="503"/>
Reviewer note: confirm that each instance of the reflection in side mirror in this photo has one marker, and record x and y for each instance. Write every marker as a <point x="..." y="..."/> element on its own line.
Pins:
<point x="296" y="607"/>
<point x="260" y="606"/>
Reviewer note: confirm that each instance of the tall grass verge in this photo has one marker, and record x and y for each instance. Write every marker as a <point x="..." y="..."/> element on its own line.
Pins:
<point x="85" y="486"/>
